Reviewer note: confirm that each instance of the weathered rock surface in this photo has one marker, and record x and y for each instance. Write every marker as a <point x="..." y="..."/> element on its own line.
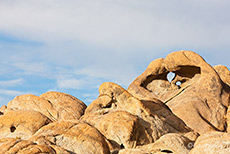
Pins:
<point x="121" y="128"/>
<point x="212" y="143"/>
<point x="185" y="114"/>
<point x="142" y="122"/>
<point x="2" y="109"/>
<point x="174" y="143"/>
<point x="21" y="123"/>
<point x="55" y="105"/>
<point x="67" y="106"/>
<point x="12" y="146"/>
<point x="196" y="94"/>
<point x="224" y="73"/>
<point x="34" y="103"/>
<point x="169" y="143"/>
<point x="75" y="137"/>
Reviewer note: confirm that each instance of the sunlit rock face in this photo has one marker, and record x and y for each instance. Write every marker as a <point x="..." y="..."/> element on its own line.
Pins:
<point x="196" y="94"/>
<point x="179" y="105"/>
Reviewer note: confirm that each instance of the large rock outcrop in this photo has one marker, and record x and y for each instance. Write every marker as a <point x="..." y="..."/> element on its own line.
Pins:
<point x="185" y="114"/>
<point x="169" y="143"/>
<point x="74" y="136"/>
<point x="148" y="120"/>
<point x="67" y="106"/>
<point x="212" y="143"/>
<point x="196" y="94"/>
<point x="21" y="123"/>
<point x="13" y="146"/>
<point x="55" y="105"/>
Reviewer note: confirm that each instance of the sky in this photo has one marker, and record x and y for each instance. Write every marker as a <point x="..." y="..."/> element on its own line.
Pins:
<point x="73" y="46"/>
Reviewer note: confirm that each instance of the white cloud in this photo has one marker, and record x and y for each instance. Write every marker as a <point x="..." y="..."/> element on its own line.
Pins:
<point x="11" y="83"/>
<point x="71" y="84"/>
<point x="31" y="68"/>
<point x="79" y="32"/>
<point x="117" y="24"/>
<point x="11" y="92"/>
<point x="89" y="95"/>
<point x="106" y="40"/>
<point x="113" y="73"/>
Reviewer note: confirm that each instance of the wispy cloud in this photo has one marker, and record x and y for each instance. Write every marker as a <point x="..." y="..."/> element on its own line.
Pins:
<point x="11" y="92"/>
<point x="78" y="44"/>
<point x="11" y="83"/>
<point x="116" y="23"/>
<point x="32" y="68"/>
<point x="71" y="83"/>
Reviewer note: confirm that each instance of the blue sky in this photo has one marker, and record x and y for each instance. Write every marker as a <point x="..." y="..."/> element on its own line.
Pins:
<point x="73" y="46"/>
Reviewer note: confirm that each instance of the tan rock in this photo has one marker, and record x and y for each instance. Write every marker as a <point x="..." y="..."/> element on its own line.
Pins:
<point x="6" y="144"/>
<point x="121" y="128"/>
<point x="21" y="124"/>
<point x="13" y="145"/>
<point x="212" y="143"/>
<point x="73" y="136"/>
<point x="154" y="118"/>
<point x="67" y="106"/>
<point x="36" y="149"/>
<point x="132" y="151"/>
<point x="224" y="73"/>
<point x="196" y="94"/>
<point x="228" y="120"/>
<point x="169" y="143"/>
<point x="34" y="103"/>
<point x="192" y="136"/>
<point x="138" y="151"/>
<point x="2" y="109"/>
<point x="55" y="105"/>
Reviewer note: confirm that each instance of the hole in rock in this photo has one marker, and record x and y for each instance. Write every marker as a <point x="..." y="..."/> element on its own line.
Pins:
<point x="12" y="129"/>
<point x="108" y="105"/>
<point x="190" y="145"/>
<point x="122" y="146"/>
<point x="188" y="71"/>
<point x="178" y="83"/>
<point x="170" y="76"/>
<point x="167" y="151"/>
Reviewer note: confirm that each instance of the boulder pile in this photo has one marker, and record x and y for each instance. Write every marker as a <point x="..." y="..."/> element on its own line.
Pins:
<point x="178" y="105"/>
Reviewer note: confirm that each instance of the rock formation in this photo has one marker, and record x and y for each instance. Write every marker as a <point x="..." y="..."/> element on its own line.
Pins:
<point x="196" y="94"/>
<point x="186" y="114"/>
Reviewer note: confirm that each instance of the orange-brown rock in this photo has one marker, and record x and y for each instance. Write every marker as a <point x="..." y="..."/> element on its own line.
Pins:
<point x="21" y="123"/>
<point x="121" y="128"/>
<point x="192" y="136"/>
<point x="154" y="118"/>
<point x="67" y="106"/>
<point x="13" y="146"/>
<point x="196" y="94"/>
<point x="73" y="136"/>
<point x="35" y="103"/>
<point x="139" y="151"/>
<point x="3" y="109"/>
<point x="228" y="120"/>
<point x="212" y="143"/>
<point x="158" y="114"/>
<point x="132" y="151"/>
<point x="169" y="143"/>
<point x="55" y="105"/>
<point x="224" y="73"/>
